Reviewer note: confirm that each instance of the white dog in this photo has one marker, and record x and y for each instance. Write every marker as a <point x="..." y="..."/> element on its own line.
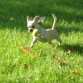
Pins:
<point x="41" y="34"/>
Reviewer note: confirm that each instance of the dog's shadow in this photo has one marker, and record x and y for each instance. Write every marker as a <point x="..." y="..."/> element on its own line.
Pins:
<point x="75" y="48"/>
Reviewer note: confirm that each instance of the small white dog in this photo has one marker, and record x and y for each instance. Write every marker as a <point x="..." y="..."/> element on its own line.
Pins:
<point x="41" y="34"/>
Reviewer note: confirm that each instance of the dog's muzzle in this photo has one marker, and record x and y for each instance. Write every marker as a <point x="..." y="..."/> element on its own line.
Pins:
<point x="30" y="30"/>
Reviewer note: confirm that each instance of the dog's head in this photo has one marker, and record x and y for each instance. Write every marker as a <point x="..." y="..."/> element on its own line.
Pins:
<point x="34" y="24"/>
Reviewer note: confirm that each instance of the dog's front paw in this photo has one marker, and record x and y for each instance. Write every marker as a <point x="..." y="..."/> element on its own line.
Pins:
<point x="33" y="42"/>
<point x="31" y="46"/>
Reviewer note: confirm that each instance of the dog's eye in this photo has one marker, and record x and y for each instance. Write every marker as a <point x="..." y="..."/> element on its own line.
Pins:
<point x="33" y="26"/>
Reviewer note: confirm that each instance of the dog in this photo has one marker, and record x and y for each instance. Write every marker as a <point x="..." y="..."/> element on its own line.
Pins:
<point x="41" y="34"/>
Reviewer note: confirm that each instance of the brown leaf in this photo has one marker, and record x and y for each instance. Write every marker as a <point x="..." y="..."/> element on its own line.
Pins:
<point x="25" y="65"/>
<point x="75" y="72"/>
<point x="69" y="50"/>
<point x="61" y="62"/>
<point x="54" y="55"/>
<point x="25" y="49"/>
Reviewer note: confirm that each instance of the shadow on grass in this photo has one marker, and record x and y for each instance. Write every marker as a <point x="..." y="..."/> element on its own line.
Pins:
<point x="67" y="30"/>
<point x="19" y="10"/>
<point x="75" y="48"/>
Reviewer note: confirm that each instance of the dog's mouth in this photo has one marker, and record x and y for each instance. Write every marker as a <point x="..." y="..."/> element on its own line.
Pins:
<point x="30" y="30"/>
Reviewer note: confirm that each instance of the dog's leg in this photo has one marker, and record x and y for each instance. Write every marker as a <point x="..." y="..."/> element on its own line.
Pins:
<point x="59" y="40"/>
<point x="33" y="42"/>
<point x="57" y="37"/>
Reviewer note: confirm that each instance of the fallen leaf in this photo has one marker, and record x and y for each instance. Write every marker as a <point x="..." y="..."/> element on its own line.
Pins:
<point x="54" y="55"/>
<point x="69" y="50"/>
<point x="33" y="55"/>
<point x="25" y="65"/>
<point x="75" y="72"/>
<point x="61" y="62"/>
<point x="25" y="49"/>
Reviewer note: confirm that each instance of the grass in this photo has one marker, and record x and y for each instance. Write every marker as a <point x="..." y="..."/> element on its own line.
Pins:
<point x="42" y="63"/>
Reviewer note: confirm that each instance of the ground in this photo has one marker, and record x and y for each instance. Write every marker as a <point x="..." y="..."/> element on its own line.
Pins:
<point x="43" y="63"/>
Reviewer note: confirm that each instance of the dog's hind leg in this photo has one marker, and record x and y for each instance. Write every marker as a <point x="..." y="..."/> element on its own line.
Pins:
<point x="59" y="40"/>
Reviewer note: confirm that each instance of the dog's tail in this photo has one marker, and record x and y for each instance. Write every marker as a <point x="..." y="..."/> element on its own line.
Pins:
<point x="55" y="20"/>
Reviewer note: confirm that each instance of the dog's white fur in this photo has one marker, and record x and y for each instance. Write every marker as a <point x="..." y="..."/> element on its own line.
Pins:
<point x="42" y="35"/>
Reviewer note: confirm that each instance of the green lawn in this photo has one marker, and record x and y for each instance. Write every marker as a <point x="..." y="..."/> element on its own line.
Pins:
<point x="43" y="63"/>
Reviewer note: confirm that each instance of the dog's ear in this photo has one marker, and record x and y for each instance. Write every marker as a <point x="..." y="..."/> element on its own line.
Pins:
<point x="38" y="19"/>
<point x="28" y="18"/>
